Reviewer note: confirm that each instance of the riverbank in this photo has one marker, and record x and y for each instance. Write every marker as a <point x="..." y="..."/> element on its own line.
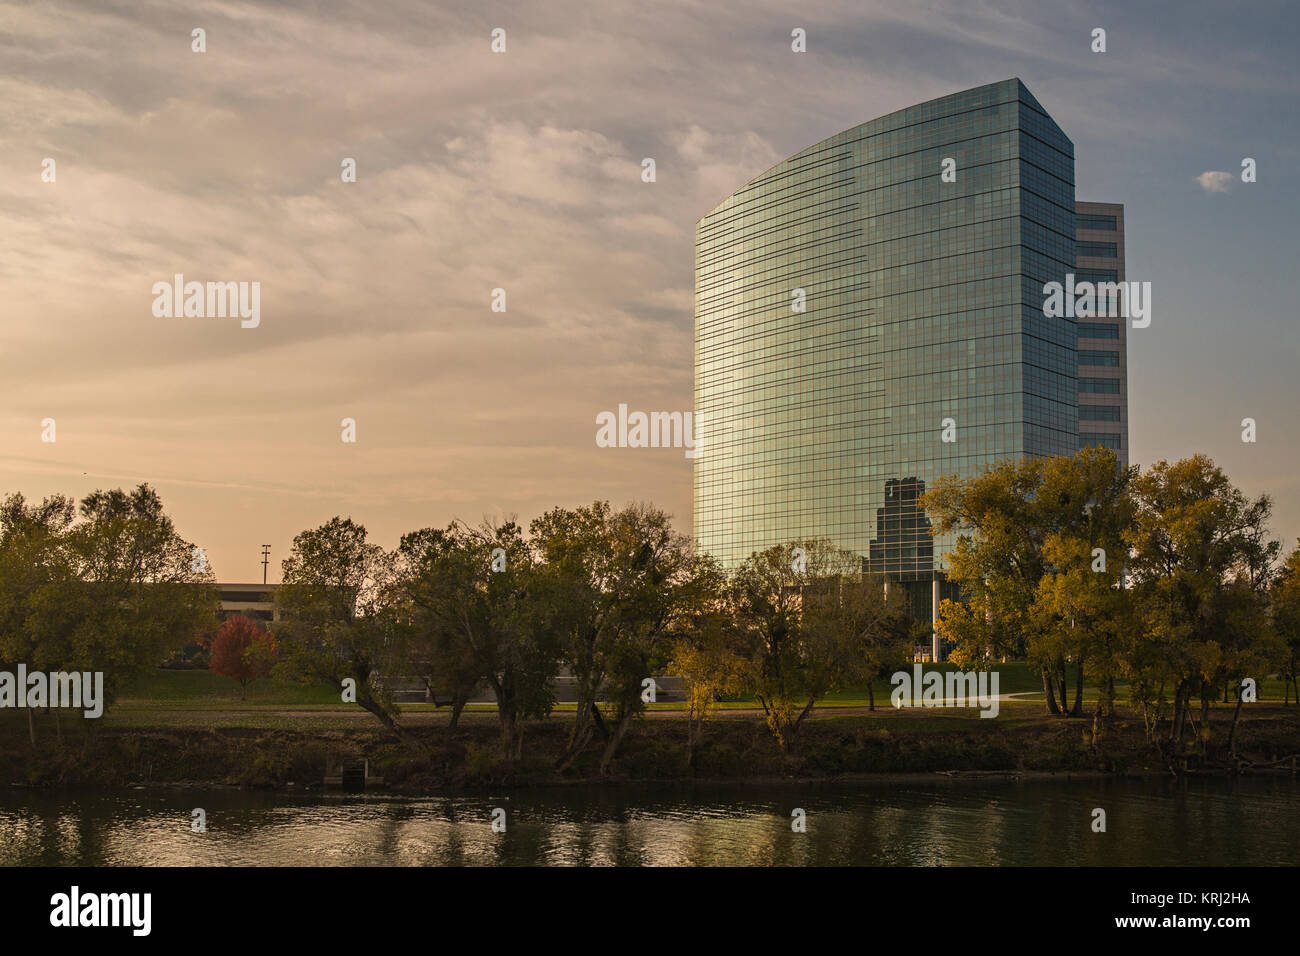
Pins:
<point x="270" y="751"/>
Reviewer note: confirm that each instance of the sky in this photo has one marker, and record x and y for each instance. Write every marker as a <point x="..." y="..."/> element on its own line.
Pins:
<point x="522" y="171"/>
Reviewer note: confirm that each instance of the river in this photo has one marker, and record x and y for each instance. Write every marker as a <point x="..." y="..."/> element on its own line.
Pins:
<point x="1149" y="821"/>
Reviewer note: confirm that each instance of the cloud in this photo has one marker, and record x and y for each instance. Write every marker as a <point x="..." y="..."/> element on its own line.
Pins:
<point x="475" y="171"/>
<point x="1215" y="181"/>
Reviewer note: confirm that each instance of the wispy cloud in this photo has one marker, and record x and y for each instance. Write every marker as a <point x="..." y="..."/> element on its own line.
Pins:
<point x="475" y="171"/>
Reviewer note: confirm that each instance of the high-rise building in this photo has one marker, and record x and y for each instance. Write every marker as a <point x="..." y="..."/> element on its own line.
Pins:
<point x="869" y="317"/>
<point x="1103" y="342"/>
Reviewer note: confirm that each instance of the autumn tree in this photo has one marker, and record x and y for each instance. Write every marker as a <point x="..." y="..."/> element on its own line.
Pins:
<point x="1200" y="561"/>
<point x="1017" y="523"/>
<point x="243" y="652"/>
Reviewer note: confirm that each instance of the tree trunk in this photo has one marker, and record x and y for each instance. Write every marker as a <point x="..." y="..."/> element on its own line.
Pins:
<point x="599" y="721"/>
<point x="1048" y="696"/>
<point x="615" y="739"/>
<point x="508" y="731"/>
<point x="1205" y="724"/>
<point x="798" y="721"/>
<point x="1232" y="730"/>
<point x="457" y="706"/>
<point x="370" y="705"/>
<point x="1101" y="711"/>
<point x="691" y="734"/>
<point x="1077" y="710"/>
<point x="871" y="697"/>
<point x="31" y="726"/>
<point x="582" y="733"/>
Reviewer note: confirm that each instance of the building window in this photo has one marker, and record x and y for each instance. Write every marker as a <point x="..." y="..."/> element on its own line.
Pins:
<point x="1099" y="386"/>
<point x="1104" y="223"/>
<point x="1101" y="440"/>
<point x="1095" y="275"/>
<point x="1108" y="359"/>
<point x="1098" y="330"/>
<point x="1105" y="250"/>
<point x="1098" y="413"/>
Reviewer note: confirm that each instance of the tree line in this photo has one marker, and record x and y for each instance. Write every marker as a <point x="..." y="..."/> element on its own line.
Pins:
<point x="612" y="597"/>
<point x="1163" y="581"/>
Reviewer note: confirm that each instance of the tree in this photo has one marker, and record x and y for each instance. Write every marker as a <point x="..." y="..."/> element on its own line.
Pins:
<point x="788" y="612"/>
<point x="1017" y="520"/>
<point x="108" y="590"/>
<point x="1200" y="560"/>
<point x="1285" y="605"/>
<point x="617" y="587"/>
<point x="879" y="623"/>
<point x="336" y="626"/>
<point x="707" y="656"/>
<point x="473" y="615"/>
<point x="34" y="564"/>
<point x="243" y="652"/>
<point x="1083" y="608"/>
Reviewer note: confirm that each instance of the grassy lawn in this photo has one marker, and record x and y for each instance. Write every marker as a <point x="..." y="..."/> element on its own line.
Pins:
<point x="196" y="688"/>
<point x="201" y="690"/>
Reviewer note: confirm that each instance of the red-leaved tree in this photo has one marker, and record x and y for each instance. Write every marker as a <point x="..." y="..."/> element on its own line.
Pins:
<point x="242" y="651"/>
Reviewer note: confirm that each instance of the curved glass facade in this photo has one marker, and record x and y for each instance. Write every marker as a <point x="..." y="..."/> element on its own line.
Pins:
<point x="921" y="348"/>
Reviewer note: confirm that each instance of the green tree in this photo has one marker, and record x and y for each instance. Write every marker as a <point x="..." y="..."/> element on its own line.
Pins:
<point x="35" y="568"/>
<point x="1285" y="605"/>
<point x="789" y="614"/>
<point x="707" y="656"/>
<point x="474" y="612"/>
<point x="617" y="587"/>
<point x="336" y="625"/>
<point x="112" y="590"/>
<point x="879" y="622"/>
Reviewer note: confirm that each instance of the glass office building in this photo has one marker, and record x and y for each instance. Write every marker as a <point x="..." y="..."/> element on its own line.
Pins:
<point x="866" y="323"/>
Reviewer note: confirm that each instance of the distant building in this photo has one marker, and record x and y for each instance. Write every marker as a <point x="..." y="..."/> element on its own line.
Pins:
<point x="255" y="601"/>
<point x="1103" y="342"/>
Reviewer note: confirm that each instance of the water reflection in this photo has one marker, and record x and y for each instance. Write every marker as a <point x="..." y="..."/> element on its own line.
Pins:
<point x="1008" y="823"/>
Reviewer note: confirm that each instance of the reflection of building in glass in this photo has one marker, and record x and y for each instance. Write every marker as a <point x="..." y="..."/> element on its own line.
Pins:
<point x="852" y="301"/>
<point x="903" y="548"/>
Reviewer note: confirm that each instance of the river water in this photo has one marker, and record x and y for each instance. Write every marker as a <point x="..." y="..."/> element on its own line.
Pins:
<point x="1160" y="822"/>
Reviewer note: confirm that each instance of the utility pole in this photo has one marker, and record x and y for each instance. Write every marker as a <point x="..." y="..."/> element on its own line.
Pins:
<point x="266" y="559"/>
